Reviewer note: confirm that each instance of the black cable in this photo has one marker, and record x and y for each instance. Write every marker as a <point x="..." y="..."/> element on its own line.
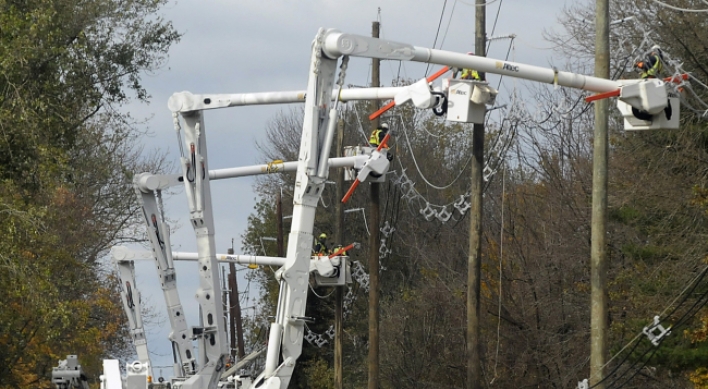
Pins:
<point x="619" y="365"/>
<point x="494" y="26"/>
<point x="690" y="313"/>
<point x="653" y="351"/>
<point x="449" y="22"/>
<point x="688" y="293"/>
<point x="702" y="300"/>
<point x="436" y="34"/>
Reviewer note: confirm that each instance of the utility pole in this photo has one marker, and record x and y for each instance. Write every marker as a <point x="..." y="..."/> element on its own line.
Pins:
<point x="599" y="326"/>
<point x="374" y="244"/>
<point x="339" y="239"/>
<point x="235" y="324"/>
<point x="474" y="261"/>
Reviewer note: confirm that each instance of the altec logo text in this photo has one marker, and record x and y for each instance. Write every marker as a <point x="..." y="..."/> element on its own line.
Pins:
<point x="506" y="66"/>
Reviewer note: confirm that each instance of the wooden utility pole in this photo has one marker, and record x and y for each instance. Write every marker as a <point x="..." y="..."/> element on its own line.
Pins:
<point x="373" y="362"/>
<point x="339" y="239"/>
<point x="599" y="325"/>
<point x="474" y="261"/>
<point x="235" y="324"/>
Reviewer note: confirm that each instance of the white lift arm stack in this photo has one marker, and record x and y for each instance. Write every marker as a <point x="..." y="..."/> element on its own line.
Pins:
<point x="286" y="333"/>
<point x="158" y="233"/>
<point x="140" y="371"/>
<point x="130" y="296"/>
<point x="214" y="347"/>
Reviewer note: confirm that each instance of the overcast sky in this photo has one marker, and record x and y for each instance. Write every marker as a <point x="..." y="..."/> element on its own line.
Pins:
<point x="242" y="46"/>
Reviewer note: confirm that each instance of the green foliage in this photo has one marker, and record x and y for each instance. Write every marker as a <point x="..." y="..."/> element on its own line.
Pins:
<point x="624" y="214"/>
<point x="65" y="156"/>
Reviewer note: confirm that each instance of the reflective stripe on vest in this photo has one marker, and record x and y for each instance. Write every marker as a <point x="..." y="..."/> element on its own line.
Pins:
<point x="469" y="74"/>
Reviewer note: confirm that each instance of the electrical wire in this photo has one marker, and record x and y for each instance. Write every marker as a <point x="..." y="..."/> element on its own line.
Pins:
<point x="494" y="26"/>
<point x="415" y="162"/>
<point x="318" y="296"/>
<point x="693" y="282"/>
<point x="449" y="22"/>
<point x="690" y="313"/>
<point x="360" y="127"/>
<point x="501" y="256"/>
<point x="436" y="35"/>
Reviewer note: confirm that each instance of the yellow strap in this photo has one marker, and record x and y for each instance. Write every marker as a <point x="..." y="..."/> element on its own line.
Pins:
<point x="273" y="166"/>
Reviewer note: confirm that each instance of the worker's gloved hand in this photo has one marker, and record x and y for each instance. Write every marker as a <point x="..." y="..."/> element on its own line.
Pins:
<point x="389" y="156"/>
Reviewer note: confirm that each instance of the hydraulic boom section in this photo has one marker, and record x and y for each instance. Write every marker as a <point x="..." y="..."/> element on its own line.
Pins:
<point x="130" y="297"/>
<point x="196" y="182"/>
<point x="286" y="333"/>
<point x="158" y="233"/>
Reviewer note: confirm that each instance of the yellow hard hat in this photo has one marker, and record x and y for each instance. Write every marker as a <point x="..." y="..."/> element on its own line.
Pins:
<point x="323" y="236"/>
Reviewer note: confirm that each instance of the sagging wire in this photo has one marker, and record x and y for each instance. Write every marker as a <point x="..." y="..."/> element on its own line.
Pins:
<point x="415" y="162"/>
<point x="360" y="126"/>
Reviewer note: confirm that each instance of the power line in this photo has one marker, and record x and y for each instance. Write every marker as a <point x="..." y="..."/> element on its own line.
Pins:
<point x="436" y="34"/>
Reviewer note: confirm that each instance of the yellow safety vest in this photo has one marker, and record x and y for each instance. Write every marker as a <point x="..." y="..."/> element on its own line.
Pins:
<point x="374" y="138"/>
<point x="469" y="74"/>
<point x="320" y="249"/>
<point x="655" y="68"/>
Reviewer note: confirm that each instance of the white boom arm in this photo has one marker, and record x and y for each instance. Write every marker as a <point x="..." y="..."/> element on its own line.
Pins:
<point x="130" y="297"/>
<point x="338" y="43"/>
<point x="197" y="188"/>
<point x="158" y="233"/>
<point x="286" y="333"/>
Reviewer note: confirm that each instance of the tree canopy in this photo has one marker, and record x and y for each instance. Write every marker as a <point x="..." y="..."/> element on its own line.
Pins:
<point x="66" y="162"/>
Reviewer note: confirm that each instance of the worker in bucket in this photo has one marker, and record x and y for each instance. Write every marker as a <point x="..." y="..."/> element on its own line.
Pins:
<point x="321" y="245"/>
<point x="470" y="74"/>
<point x="378" y="135"/>
<point x="652" y="65"/>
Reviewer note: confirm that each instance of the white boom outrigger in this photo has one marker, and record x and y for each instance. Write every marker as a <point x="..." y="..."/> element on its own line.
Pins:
<point x="321" y="99"/>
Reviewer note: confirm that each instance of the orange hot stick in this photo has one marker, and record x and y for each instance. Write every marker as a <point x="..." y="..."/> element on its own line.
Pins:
<point x="336" y="253"/>
<point x="601" y="96"/>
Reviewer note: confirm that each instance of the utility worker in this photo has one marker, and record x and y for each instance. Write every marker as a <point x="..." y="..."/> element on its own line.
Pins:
<point x="652" y="65"/>
<point x="470" y="74"/>
<point x="377" y="135"/>
<point x="321" y="246"/>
